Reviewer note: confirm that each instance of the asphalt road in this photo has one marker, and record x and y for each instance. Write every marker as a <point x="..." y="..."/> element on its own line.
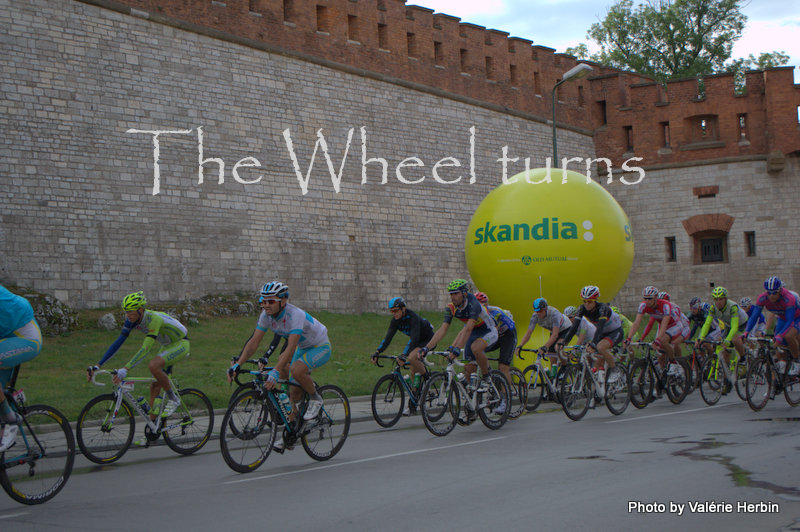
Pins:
<point x="542" y="471"/>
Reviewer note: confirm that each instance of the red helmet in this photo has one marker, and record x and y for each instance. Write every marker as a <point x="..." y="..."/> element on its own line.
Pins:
<point x="482" y="298"/>
<point x="590" y="292"/>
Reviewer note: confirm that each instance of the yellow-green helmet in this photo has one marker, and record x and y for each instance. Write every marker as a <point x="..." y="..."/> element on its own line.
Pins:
<point x="458" y="285"/>
<point x="133" y="301"/>
<point x="719" y="292"/>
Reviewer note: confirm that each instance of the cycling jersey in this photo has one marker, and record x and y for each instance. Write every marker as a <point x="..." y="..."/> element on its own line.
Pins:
<point x="587" y="328"/>
<point x="20" y="337"/>
<point x="293" y="320"/>
<point x="418" y="329"/>
<point x="159" y="328"/>
<point x="661" y="309"/>
<point x="731" y="315"/>
<point x="470" y="310"/>
<point x="602" y="317"/>
<point x="761" y="322"/>
<point x="698" y="320"/>
<point x="552" y="318"/>
<point x="502" y="319"/>
<point x="15" y="311"/>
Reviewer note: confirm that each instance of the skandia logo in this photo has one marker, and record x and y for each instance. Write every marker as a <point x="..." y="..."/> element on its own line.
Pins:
<point x="547" y="229"/>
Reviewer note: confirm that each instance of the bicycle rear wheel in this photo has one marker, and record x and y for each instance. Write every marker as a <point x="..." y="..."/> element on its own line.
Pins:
<point x="576" y="391"/>
<point x="105" y="435"/>
<point x="440" y="406"/>
<point x="495" y="403"/>
<point x="713" y="381"/>
<point x="37" y="467"/>
<point x="791" y="382"/>
<point x="255" y="419"/>
<point x="617" y="394"/>
<point x="740" y="376"/>
<point x="388" y="398"/>
<point x="677" y="386"/>
<point x="193" y="420"/>
<point x="534" y="382"/>
<point x="641" y="381"/>
<point x="759" y="384"/>
<point x="519" y="393"/>
<point x="324" y="436"/>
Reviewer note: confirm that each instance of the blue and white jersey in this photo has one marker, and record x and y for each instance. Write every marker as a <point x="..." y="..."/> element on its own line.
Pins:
<point x="15" y="312"/>
<point x="293" y="320"/>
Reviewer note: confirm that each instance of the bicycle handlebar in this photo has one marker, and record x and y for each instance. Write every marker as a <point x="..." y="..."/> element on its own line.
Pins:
<point x="448" y="354"/>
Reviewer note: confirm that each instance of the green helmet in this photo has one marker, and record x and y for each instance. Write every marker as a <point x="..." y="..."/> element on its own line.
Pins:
<point x="719" y="292"/>
<point x="458" y="285"/>
<point x="133" y="301"/>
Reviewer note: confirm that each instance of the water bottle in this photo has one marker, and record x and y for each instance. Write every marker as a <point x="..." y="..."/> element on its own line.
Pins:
<point x="473" y="381"/>
<point x="285" y="403"/>
<point x="408" y="380"/>
<point x="417" y="381"/>
<point x="461" y="379"/>
<point x="157" y="403"/>
<point x="142" y="402"/>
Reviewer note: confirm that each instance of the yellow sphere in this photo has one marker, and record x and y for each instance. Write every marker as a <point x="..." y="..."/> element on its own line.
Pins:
<point x="530" y="238"/>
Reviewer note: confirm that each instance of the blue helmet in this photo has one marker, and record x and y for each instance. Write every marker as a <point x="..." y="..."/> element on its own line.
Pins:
<point x="695" y="303"/>
<point x="274" y="289"/>
<point x="397" y="302"/>
<point x="540" y="304"/>
<point x="773" y="284"/>
<point x="706" y="307"/>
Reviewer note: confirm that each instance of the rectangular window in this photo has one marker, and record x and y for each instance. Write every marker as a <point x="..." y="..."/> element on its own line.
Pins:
<point x="512" y="72"/>
<point x="665" y="134"/>
<point x="750" y="243"/>
<point x="742" y="119"/>
<point x="352" y="28"/>
<point x="463" y="54"/>
<point x="322" y="19"/>
<point x="288" y="10"/>
<point x="671" y="250"/>
<point x="628" y="131"/>
<point x="438" y="53"/>
<point x="601" y="107"/>
<point x="711" y="250"/>
<point x="383" y="37"/>
<point x="580" y="96"/>
<point x="411" y="42"/>
<point x="489" y="68"/>
<point x="537" y="83"/>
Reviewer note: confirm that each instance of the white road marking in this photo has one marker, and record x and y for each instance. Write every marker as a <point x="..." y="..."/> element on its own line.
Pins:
<point x="670" y="413"/>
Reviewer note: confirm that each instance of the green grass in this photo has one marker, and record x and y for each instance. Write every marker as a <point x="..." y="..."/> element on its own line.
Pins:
<point x="58" y="375"/>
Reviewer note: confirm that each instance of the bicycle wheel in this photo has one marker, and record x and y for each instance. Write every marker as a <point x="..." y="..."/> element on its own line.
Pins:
<point x="677" y="386"/>
<point x="388" y="398"/>
<point x="38" y="466"/>
<point x="236" y="393"/>
<point x="576" y="392"/>
<point x="713" y="382"/>
<point x="535" y="384"/>
<point x="495" y="403"/>
<point x="189" y="428"/>
<point x="618" y="394"/>
<point x="519" y="393"/>
<point x="759" y="384"/>
<point x="791" y="382"/>
<point x="641" y="381"/>
<point x="103" y="434"/>
<point x="245" y="449"/>
<point x="441" y="405"/>
<point x="740" y="374"/>
<point x="324" y="436"/>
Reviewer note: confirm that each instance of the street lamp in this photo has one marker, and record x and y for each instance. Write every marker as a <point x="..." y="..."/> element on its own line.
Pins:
<point x="578" y="71"/>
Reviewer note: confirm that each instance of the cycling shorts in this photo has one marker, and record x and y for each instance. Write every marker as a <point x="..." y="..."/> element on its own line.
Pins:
<point x="484" y="333"/>
<point x="506" y="344"/>
<point x="313" y="357"/>
<point x="24" y="345"/>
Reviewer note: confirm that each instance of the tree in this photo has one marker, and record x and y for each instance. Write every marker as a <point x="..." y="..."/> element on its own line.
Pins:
<point x="668" y="39"/>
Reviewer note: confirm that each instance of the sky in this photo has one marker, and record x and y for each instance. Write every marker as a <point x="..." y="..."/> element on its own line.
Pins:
<point x="772" y="25"/>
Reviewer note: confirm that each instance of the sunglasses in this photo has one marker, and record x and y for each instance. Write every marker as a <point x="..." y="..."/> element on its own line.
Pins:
<point x="588" y="300"/>
<point x="268" y="301"/>
<point x="649" y="298"/>
<point x="773" y="292"/>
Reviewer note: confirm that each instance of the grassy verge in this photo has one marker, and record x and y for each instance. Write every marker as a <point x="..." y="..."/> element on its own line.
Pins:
<point x="57" y="376"/>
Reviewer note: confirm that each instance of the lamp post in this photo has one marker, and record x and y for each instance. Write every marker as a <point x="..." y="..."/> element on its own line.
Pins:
<point x="578" y="71"/>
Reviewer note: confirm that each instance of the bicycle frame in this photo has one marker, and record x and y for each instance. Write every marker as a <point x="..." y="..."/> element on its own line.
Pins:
<point x="540" y="372"/>
<point x="397" y="371"/>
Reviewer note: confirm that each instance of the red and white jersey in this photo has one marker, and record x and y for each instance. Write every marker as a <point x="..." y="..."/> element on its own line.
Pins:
<point x="662" y="308"/>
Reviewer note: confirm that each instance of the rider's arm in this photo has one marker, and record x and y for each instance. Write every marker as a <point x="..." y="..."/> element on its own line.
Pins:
<point x="707" y="325"/>
<point x="123" y="335"/>
<point x="635" y="326"/>
<point x="649" y="326"/>
<point x="734" y="323"/>
<point x="251" y="346"/>
<point x="576" y="322"/>
<point x="389" y="335"/>
<point x="414" y="334"/>
<point x="463" y="335"/>
<point x="753" y="319"/>
<point x="276" y="339"/>
<point x="153" y="328"/>
<point x="601" y="323"/>
<point x="285" y="358"/>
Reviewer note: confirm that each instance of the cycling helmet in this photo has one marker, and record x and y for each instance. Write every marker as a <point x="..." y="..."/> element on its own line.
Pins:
<point x="539" y="303"/>
<point x="133" y="301"/>
<point x="695" y="303"/>
<point x="650" y="291"/>
<point x="773" y="284"/>
<point x="706" y="307"/>
<point x="663" y="295"/>
<point x="482" y="298"/>
<point x="745" y="302"/>
<point x="570" y="311"/>
<point x="457" y="285"/>
<point x="719" y="292"/>
<point x="397" y="302"/>
<point x="274" y="289"/>
<point x="590" y="292"/>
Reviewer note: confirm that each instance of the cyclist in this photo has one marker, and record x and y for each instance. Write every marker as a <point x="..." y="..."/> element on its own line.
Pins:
<point x="786" y="305"/>
<point x="673" y="327"/>
<point x="164" y="335"/>
<point x="608" y="326"/>
<point x="506" y="341"/>
<point x="729" y="314"/>
<point x="586" y="330"/>
<point x="20" y="341"/>
<point x="760" y="329"/>
<point x="549" y="318"/>
<point x="307" y="348"/>
<point x="698" y="312"/>
<point x="626" y="327"/>
<point x="479" y="332"/>
<point x="419" y="332"/>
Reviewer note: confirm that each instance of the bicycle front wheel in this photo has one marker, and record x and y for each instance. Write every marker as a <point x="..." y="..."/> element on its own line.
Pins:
<point x="759" y="384"/>
<point x="105" y="434"/>
<point x="791" y="382"/>
<point x="677" y="386"/>
<point x="576" y="391"/>
<point x="641" y="381"/>
<point x="255" y="420"/>
<point x="388" y="398"/>
<point x="324" y="436"/>
<point x="535" y="384"/>
<point x="189" y="428"/>
<point x="713" y="382"/>
<point x="519" y="393"/>
<point x="742" y="365"/>
<point x="617" y="394"/>
<point x="495" y="403"/>
<point x="440" y="405"/>
<point x="38" y="466"/>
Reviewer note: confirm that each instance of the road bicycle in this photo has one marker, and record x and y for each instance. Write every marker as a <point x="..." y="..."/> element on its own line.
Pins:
<point x="251" y="423"/>
<point x="39" y="464"/>
<point x="694" y="361"/>
<point x="647" y="377"/>
<point x="765" y="381"/>
<point x="106" y="425"/>
<point x="539" y="384"/>
<point x="447" y="395"/>
<point x="519" y="390"/>
<point x="389" y="394"/>
<point x="581" y="387"/>
<point x="717" y="377"/>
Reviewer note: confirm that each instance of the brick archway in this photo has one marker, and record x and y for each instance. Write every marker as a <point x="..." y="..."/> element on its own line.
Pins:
<point x="702" y="223"/>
